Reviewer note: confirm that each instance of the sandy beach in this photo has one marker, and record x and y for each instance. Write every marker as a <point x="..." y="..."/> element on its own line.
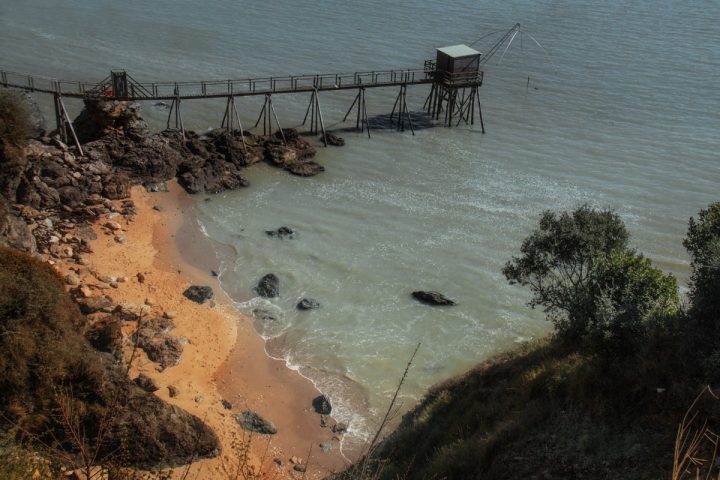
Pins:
<point x="224" y="358"/>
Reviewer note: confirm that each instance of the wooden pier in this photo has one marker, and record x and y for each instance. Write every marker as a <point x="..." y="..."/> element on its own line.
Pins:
<point x="454" y="79"/>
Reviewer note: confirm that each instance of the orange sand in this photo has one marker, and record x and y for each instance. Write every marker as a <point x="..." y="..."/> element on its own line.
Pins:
<point x="224" y="357"/>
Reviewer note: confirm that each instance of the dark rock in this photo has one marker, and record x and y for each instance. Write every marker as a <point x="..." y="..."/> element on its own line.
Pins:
<point x="308" y="304"/>
<point x="334" y="140"/>
<point x="199" y="294"/>
<point x="159" y="345"/>
<point x="86" y="233"/>
<point x="282" y="232"/>
<point x="340" y="428"/>
<point x="156" y="187"/>
<point x="253" y="422"/>
<point x="226" y="405"/>
<point x="106" y="336"/>
<point x="300" y="468"/>
<point x="305" y="169"/>
<point x="432" y="298"/>
<point x="268" y="286"/>
<point x="289" y="134"/>
<point x="117" y="186"/>
<point x="264" y="315"/>
<point x="173" y="391"/>
<point x="71" y="196"/>
<point x="321" y="404"/>
<point x="100" y="118"/>
<point x="283" y="156"/>
<point x="214" y="273"/>
<point x="146" y="383"/>
<point x="95" y="304"/>
<point x="14" y="232"/>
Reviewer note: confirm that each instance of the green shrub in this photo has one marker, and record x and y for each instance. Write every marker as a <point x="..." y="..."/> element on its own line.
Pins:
<point x="15" y="122"/>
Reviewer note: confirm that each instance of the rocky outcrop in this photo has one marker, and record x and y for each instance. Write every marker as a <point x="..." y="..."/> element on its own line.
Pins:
<point x="101" y="118"/>
<point x="432" y="298"/>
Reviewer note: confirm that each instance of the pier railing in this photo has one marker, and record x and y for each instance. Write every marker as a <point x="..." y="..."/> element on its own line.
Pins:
<point x="218" y="88"/>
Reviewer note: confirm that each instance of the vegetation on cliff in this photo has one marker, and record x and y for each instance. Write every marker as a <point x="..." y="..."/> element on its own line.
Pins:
<point x="603" y="396"/>
<point x="69" y="401"/>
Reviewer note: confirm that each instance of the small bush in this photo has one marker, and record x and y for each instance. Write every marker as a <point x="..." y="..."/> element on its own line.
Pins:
<point x="15" y="122"/>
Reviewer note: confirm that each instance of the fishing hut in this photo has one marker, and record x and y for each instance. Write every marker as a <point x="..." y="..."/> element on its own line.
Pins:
<point x="456" y="80"/>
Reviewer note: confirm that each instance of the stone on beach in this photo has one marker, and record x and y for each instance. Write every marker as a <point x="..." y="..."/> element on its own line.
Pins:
<point x="253" y="422"/>
<point x="95" y="304"/>
<point x="199" y="294"/>
<point x="321" y="404"/>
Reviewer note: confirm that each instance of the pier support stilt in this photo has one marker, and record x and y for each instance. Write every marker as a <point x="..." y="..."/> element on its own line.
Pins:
<point x="231" y="116"/>
<point x="402" y="109"/>
<point x="361" y="120"/>
<point x="175" y="107"/>
<point x="315" y="113"/>
<point x="267" y="115"/>
<point x="64" y="124"/>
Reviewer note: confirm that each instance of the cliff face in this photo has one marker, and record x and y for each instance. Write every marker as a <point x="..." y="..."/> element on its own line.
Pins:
<point x="54" y="384"/>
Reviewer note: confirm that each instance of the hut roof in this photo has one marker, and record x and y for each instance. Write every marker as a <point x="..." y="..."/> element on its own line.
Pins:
<point x="458" y="51"/>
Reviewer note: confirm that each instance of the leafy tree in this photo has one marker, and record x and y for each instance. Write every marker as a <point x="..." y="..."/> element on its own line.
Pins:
<point x="630" y="294"/>
<point x="591" y="285"/>
<point x="703" y="245"/>
<point x="558" y="263"/>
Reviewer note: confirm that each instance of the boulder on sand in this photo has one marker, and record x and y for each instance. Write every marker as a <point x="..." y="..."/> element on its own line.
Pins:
<point x="321" y="404"/>
<point x="253" y="422"/>
<point x="199" y="294"/>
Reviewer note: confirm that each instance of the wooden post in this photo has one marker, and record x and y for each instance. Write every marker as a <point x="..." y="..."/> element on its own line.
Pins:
<point x="64" y="123"/>
<point x="482" y="125"/>
<point x="272" y="109"/>
<point x="231" y="115"/>
<point x="319" y="111"/>
<point x="175" y="106"/>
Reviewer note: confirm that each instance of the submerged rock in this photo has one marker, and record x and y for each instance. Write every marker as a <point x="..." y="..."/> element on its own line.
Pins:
<point x="199" y="294"/>
<point x="282" y="232"/>
<point x="321" y="404"/>
<point x="305" y="169"/>
<point x="268" y="286"/>
<point x="432" y="298"/>
<point x="334" y="140"/>
<point x="253" y="422"/>
<point x="308" y="304"/>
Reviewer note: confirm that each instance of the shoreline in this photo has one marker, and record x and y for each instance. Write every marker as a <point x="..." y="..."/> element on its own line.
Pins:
<point x="268" y="386"/>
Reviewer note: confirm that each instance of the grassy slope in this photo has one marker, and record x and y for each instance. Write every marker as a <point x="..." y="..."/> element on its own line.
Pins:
<point x="544" y="412"/>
